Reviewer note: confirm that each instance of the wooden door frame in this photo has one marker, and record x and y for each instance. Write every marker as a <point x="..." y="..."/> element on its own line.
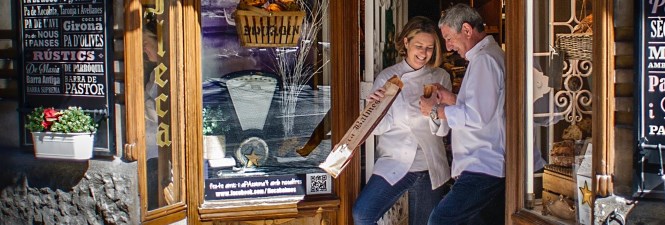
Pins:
<point x="134" y="148"/>
<point x="603" y="117"/>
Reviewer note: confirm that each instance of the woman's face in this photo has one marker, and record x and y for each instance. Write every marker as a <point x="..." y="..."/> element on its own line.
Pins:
<point x="419" y="50"/>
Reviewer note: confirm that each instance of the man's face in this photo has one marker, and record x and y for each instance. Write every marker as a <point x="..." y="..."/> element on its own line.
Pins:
<point x="459" y="42"/>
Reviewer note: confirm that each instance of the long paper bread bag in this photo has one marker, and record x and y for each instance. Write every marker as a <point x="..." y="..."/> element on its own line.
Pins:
<point x="343" y="151"/>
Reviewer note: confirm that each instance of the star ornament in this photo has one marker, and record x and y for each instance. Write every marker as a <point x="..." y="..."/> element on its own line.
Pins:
<point x="252" y="160"/>
<point x="586" y="194"/>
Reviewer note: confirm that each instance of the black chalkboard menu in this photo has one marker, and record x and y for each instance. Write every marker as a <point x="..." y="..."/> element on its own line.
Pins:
<point x="651" y="71"/>
<point x="65" y="53"/>
<point x="66" y="49"/>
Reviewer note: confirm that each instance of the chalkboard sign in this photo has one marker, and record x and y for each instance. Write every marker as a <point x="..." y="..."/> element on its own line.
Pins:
<point x="65" y="58"/>
<point x="651" y="71"/>
<point x="66" y="55"/>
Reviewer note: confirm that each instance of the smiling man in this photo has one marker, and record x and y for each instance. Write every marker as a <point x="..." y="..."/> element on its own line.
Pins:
<point x="477" y="120"/>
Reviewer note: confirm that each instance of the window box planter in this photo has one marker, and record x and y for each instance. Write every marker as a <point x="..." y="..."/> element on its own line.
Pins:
<point x="77" y="146"/>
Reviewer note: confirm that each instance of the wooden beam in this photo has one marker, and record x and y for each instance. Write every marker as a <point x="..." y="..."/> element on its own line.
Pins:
<point x="10" y="53"/>
<point x="193" y="107"/>
<point x="8" y="73"/>
<point x="344" y="45"/>
<point x="515" y="107"/>
<point x="8" y="34"/>
<point x="603" y="115"/>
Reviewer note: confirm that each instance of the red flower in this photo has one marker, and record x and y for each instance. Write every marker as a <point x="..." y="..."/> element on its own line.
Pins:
<point x="46" y="124"/>
<point x="50" y="115"/>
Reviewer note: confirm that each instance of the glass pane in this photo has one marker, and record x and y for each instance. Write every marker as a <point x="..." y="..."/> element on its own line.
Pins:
<point x="559" y="149"/>
<point x="266" y="122"/>
<point x="160" y="104"/>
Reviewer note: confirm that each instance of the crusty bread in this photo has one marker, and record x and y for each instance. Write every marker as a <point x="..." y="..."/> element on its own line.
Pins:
<point x="563" y="153"/>
<point x="566" y="148"/>
<point x="572" y="132"/>
<point x="428" y="89"/>
<point x="395" y="80"/>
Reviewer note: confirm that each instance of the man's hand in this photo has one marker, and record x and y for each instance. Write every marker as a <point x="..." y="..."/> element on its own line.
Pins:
<point x="446" y="97"/>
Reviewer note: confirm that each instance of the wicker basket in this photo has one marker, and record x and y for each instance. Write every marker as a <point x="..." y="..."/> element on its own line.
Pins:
<point x="575" y="46"/>
<point x="269" y="29"/>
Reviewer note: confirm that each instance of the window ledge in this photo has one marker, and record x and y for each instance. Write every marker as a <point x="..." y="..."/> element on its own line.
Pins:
<point x="257" y="208"/>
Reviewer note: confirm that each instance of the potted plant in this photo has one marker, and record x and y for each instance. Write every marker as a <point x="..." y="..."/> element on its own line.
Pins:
<point x="215" y="126"/>
<point x="62" y="134"/>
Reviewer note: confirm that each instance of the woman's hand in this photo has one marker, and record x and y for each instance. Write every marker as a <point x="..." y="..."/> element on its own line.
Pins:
<point x="426" y="104"/>
<point x="377" y="95"/>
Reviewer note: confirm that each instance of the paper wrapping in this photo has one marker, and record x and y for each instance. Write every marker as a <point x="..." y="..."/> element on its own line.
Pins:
<point x="356" y="135"/>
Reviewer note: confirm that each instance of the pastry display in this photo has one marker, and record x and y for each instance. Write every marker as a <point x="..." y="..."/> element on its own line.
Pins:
<point x="573" y="132"/>
<point x="274" y="7"/>
<point x="255" y="3"/>
<point x="585" y="126"/>
<point x="563" y="153"/>
<point x="270" y="6"/>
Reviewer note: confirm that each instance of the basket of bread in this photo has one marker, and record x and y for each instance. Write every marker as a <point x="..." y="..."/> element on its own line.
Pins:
<point x="269" y="23"/>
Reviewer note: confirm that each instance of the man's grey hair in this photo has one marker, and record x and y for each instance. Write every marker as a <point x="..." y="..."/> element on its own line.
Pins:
<point x="459" y="14"/>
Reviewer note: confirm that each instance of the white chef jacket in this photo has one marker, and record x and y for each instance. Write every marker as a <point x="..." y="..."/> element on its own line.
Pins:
<point x="404" y="129"/>
<point x="478" y="118"/>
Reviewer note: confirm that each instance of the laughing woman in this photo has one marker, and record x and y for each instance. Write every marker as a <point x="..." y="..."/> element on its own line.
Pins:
<point x="409" y="156"/>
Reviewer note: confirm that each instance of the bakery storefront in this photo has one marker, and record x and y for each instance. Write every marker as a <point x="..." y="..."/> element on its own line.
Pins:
<point x="255" y="107"/>
<point x="222" y="110"/>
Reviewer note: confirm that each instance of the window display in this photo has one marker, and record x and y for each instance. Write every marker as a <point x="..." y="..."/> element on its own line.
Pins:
<point x="265" y="122"/>
<point x="559" y="149"/>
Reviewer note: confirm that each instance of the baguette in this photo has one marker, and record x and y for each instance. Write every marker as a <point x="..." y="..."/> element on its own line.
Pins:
<point x="343" y="152"/>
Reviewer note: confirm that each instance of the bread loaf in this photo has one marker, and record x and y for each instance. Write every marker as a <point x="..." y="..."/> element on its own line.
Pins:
<point x="572" y="132"/>
<point x="563" y="153"/>
<point x="563" y="148"/>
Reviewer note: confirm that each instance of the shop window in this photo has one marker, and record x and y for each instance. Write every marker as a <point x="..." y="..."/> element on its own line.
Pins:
<point x="559" y="111"/>
<point x="266" y="102"/>
<point x="153" y="88"/>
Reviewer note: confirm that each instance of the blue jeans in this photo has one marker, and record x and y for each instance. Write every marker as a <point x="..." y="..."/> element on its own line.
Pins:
<point x="378" y="196"/>
<point x="475" y="198"/>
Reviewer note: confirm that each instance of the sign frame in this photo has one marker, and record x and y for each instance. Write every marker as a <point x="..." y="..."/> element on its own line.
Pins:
<point x="650" y="96"/>
<point x="81" y="74"/>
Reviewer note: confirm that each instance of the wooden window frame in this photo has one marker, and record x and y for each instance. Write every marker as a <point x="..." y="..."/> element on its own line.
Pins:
<point x="603" y="117"/>
<point x="135" y="122"/>
<point x="345" y="108"/>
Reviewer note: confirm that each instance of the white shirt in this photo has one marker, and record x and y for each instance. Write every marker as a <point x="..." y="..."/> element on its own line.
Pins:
<point x="404" y="130"/>
<point x="478" y="120"/>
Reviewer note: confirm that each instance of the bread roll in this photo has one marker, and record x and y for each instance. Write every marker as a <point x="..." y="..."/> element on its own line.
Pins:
<point x="428" y="89"/>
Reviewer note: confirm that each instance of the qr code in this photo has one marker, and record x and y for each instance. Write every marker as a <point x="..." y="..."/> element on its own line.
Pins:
<point x="319" y="183"/>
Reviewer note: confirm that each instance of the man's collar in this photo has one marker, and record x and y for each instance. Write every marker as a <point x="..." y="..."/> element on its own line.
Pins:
<point x="488" y="39"/>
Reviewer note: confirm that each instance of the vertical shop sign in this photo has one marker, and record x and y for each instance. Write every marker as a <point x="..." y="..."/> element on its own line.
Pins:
<point x="651" y="72"/>
<point x="650" y="51"/>
<point x="65" y="56"/>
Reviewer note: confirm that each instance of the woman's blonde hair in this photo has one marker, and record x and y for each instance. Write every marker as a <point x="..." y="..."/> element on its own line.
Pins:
<point x="416" y="25"/>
